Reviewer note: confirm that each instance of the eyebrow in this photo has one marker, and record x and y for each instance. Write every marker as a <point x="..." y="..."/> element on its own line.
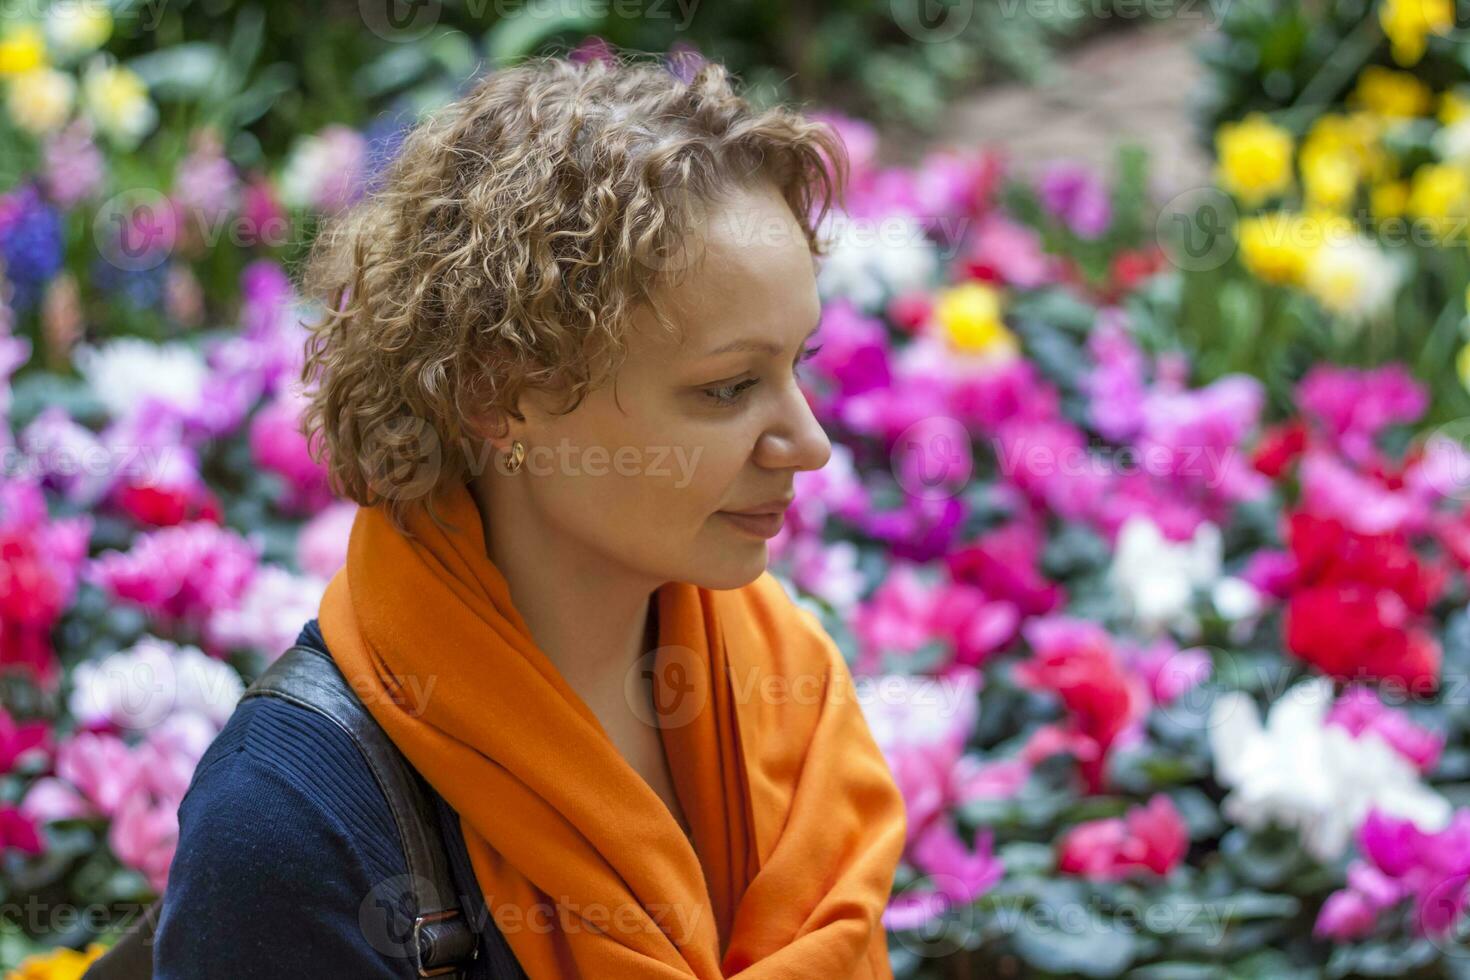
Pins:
<point x="745" y="344"/>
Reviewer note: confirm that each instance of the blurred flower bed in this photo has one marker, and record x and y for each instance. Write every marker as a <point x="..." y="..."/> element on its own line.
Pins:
<point x="1167" y="657"/>
<point x="1341" y="224"/>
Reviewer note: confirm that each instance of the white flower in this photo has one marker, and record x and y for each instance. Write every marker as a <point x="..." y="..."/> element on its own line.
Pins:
<point x="128" y="371"/>
<point x="75" y="29"/>
<point x="1157" y="578"/>
<point x="1235" y="599"/>
<point x="1296" y="771"/>
<point x="911" y="711"/>
<point x="870" y="260"/>
<point x="1452" y="143"/>
<point x="151" y="682"/>
<point x="270" y="613"/>
<point x="1352" y="277"/>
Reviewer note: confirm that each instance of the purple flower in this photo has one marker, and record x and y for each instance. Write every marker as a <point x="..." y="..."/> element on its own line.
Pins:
<point x="72" y="166"/>
<point x="1073" y="193"/>
<point x="30" y="243"/>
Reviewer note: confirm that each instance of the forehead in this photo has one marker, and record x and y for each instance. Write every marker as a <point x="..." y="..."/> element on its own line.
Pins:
<point x="752" y="274"/>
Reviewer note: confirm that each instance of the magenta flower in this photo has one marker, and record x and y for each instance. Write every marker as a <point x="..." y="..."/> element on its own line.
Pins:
<point x="18" y="831"/>
<point x="1005" y="563"/>
<point x="954" y="874"/>
<point x="1402" y="862"/>
<point x="278" y="445"/>
<point x="1352" y="406"/>
<point x="180" y="574"/>
<point x="20" y="739"/>
<point x="1074" y="194"/>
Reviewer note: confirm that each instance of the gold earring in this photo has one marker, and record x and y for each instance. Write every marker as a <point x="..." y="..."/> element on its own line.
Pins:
<point x="516" y="456"/>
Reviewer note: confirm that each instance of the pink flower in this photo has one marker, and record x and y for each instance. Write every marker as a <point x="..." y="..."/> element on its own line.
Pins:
<point x="1009" y="253"/>
<point x="278" y="446"/>
<point x="1150" y="839"/>
<point x="321" y="546"/>
<point x="1168" y="671"/>
<point x="101" y="767"/>
<point x="1353" y="406"/>
<point x="143" y="835"/>
<point x="181" y="573"/>
<point x="1115" y="387"/>
<point x="1363" y="503"/>
<point x="1359" y="710"/>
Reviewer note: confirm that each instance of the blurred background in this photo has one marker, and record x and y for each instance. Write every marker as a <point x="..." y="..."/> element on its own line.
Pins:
<point x="1144" y="360"/>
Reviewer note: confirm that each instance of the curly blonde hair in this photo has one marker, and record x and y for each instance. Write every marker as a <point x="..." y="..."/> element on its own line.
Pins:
<point x="506" y="245"/>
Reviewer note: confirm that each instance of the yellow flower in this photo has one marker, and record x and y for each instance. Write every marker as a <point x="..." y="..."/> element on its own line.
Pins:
<point x="22" y="49"/>
<point x="1278" y="246"/>
<point x="117" y="100"/>
<point x="1330" y="178"/>
<point x="1453" y="107"/>
<point x="1408" y="24"/>
<point x="1254" y="158"/>
<point x="41" y="100"/>
<point x="971" y="317"/>
<point x="1439" y="194"/>
<point x="58" y="964"/>
<point x="1389" y="93"/>
<point x="1388" y="200"/>
<point x="1462" y="365"/>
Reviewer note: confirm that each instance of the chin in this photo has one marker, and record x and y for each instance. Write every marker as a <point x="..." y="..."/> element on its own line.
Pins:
<point x="731" y="571"/>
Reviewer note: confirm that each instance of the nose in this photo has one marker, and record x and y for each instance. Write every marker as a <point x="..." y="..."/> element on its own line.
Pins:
<point x="794" y="439"/>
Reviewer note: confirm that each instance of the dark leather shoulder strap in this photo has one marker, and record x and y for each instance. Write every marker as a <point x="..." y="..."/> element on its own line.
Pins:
<point x="441" y="938"/>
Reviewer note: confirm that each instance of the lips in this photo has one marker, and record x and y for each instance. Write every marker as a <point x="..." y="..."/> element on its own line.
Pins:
<point x="761" y="525"/>
<point x="763" y="520"/>
<point x="776" y="506"/>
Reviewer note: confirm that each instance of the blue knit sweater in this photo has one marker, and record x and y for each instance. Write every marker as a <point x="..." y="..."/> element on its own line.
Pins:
<point x="283" y="834"/>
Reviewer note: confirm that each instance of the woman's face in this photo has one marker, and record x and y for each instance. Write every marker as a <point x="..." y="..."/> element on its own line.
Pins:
<point x="644" y="472"/>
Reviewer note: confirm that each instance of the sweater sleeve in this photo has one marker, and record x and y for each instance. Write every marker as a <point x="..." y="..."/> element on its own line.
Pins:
<point x="285" y="865"/>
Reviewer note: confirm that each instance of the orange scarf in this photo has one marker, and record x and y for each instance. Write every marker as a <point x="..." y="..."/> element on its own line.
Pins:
<point x="797" y="823"/>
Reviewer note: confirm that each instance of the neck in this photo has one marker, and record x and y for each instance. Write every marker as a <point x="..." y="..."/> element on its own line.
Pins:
<point x="549" y="576"/>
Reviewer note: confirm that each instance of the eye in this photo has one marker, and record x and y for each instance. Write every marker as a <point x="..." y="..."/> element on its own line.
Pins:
<point x="730" y="394"/>
<point x="806" y="355"/>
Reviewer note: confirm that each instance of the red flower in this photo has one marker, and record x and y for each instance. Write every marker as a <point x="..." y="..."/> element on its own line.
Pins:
<point x="1149" y="839"/>
<point x="166" y="506"/>
<point x="1356" y="607"/>
<point x="1075" y="660"/>
<point x="1280" y="446"/>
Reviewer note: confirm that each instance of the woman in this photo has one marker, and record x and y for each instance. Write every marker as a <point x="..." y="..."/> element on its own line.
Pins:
<point x="559" y="373"/>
